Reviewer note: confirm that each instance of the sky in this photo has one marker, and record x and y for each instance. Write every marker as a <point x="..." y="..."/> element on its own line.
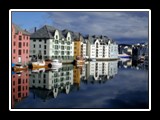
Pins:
<point x="120" y="26"/>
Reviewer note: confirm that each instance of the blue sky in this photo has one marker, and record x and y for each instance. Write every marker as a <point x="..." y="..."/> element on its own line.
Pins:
<point x="121" y="26"/>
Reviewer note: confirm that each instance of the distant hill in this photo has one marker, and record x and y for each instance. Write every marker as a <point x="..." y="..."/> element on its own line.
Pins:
<point x="130" y="41"/>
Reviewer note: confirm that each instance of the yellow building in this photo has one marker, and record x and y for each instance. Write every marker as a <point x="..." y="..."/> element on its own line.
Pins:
<point x="77" y="48"/>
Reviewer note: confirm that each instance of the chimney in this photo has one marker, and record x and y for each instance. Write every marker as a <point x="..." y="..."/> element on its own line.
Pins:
<point x="35" y="29"/>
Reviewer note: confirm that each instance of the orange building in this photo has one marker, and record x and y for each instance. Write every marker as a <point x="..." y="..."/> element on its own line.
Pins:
<point x="77" y="48"/>
<point x="20" y="86"/>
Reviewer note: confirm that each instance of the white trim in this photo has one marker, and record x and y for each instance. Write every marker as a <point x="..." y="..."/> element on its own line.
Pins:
<point x="97" y="10"/>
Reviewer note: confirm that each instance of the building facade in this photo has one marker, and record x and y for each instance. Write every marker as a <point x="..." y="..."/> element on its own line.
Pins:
<point x="101" y="47"/>
<point x="51" y="43"/>
<point x="20" y="45"/>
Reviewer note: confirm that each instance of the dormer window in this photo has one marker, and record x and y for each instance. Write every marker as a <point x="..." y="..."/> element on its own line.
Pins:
<point x="20" y="37"/>
<point x="56" y="36"/>
<point x="68" y="38"/>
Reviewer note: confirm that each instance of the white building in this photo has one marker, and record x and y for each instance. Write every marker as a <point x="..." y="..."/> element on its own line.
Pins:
<point x="53" y="80"/>
<point x="84" y="48"/>
<point x="51" y="43"/>
<point x="101" y="47"/>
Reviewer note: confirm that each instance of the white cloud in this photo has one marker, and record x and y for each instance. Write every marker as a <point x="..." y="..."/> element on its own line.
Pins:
<point x="112" y="24"/>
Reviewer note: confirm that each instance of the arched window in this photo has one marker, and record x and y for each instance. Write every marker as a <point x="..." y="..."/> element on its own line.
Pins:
<point x="56" y="36"/>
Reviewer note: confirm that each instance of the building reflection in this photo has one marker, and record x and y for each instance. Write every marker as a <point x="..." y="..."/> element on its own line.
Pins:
<point x="99" y="71"/>
<point x="132" y="64"/>
<point x="20" y="86"/>
<point x="50" y="83"/>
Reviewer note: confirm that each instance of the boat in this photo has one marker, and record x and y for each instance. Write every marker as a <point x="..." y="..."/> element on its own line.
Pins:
<point x="35" y="70"/>
<point x="55" y="64"/>
<point x="38" y="64"/>
<point x="19" y="68"/>
<point x="124" y="55"/>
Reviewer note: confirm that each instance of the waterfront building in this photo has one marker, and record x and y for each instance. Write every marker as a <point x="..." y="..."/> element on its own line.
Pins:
<point x="84" y="48"/>
<point x="101" y="47"/>
<point x="51" y="43"/>
<point x="20" y="45"/>
<point x="20" y="87"/>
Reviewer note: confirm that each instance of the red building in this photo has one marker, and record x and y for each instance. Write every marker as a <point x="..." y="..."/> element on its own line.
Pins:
<point x="20" y="87"/>
<point x="20" y="45"/>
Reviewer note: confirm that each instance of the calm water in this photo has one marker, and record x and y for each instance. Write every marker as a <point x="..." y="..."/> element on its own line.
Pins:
<point x="113" y="84"/>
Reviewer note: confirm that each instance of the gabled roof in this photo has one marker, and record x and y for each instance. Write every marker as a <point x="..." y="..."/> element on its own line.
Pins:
<point x="18" y="29"/>
<point x="74" y="35"/>
<point x="46" y="32"/>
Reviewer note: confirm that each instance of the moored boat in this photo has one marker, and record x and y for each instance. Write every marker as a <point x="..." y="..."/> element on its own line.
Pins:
<point x="38" y="64"/>
<point x="55" y="63"/>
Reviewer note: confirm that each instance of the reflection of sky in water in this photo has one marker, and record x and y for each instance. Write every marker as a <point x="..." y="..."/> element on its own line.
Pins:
<point x="127" y="89"/>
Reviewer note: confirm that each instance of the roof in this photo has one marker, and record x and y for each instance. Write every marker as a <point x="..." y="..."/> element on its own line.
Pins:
<point x="46" y="32"/>
<point x="103" y="39"/>
<point x="18" y="29"/>
<point x="74" y="35"/>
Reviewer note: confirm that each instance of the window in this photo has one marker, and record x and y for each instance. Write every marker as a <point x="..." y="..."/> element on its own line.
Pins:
<point x="44" y="41"/>
<point x="34" y="51"/>
<point x="13" y="89"/>
<point x="40" y="40"/>
<point x="44" y="52"/>
<point x="19" y="52"/>
<point x="19" y="81"/>
<point x="23" y="37"/>
<point x="34" y="46"/>
<point x="14" y="51"/>
<point x="39" y="46"/>
<point x="19" y="95"/>
<point x="56" y="36"/>
<point x="68" y="38"/>
<point x="34" y="40"/>
<point x="44" y="75"/>
<point x="26" y="88"/>
<point x="26" y="79"/>
<point x="44" y="81"/>
<point x="20" y="45"/>
<point x="24" y="44"/>
<point x="27" y="51"/>
<point x="20" y="37"/>
<point x="19" y="88"/>
<point x="33" y="81"/>
<point x="62" y="47"/>
<point x="62" y="42"/>
<point x="13" y="82"/>
<point x="14" y="44"/>
<point x="27" y="44"/>
<point x="23" y="51"/>
<point x="44" y="46"/>
<point x="56" y="41"/>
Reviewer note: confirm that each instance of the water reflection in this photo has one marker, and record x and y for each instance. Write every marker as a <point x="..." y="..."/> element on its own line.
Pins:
<point x="133" y="64"/>
<point x="20" y="86"/>
<point x="47" y="84"/>
<point x="99" y="72"/>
